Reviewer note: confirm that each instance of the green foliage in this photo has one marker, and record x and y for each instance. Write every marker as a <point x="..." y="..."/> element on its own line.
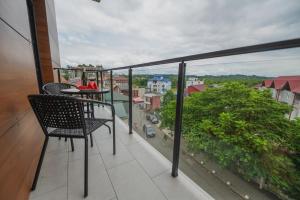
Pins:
<point x="140" y="81"/>
<point x="173" y="82"/>
<point x="168" y="97"/>
<point x="243" y="79"/>
<point x="66" y="74"/>
<point x="243" y="129"/>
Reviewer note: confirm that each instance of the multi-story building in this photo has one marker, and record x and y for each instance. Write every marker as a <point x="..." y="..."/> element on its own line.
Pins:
<point x="159" y="84"/>
<point x="120" y="81"/>
<point x="151" y="101"/>
<point x="286" y="89"/>
<point x="193" y="81"/>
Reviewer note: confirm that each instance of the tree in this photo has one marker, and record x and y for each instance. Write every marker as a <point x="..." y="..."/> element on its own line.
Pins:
<point x="66" y="74"/>
<point x="168" y="97"/>
<point x="140" y="81"/>
<point x="243" y="129"/>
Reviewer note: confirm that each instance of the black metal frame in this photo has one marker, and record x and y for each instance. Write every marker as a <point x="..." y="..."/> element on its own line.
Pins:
<point x="178" y="119"/>
<point x="285" y="44"/>
<point x="101" y="82"/>
<point x="111" y="88"/>
<point x="44" y="114"/>
<point x="130" y="100"/>
<point x="36" y="54"/>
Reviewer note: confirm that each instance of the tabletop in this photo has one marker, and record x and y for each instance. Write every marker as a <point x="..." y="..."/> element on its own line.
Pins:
<point x="89" y="91"/>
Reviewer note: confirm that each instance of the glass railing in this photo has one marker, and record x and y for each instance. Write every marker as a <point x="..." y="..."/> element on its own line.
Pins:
<point x="226" y="119"/>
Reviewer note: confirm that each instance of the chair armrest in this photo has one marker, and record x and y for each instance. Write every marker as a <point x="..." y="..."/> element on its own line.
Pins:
<point x="99" y="102"/>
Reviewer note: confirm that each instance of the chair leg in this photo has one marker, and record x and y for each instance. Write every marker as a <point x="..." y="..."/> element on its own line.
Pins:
<point x="114" y="137"/>
<point x="66" y="139"/>
<point x="86" y="167"/>
<point x="37" y="172"/>
<point x="92" y="111"/>
<point x="72" y="144"/>
<point x="102" y="99"/>
<point x="108" y="128"/>
<point x="91" y="138"/>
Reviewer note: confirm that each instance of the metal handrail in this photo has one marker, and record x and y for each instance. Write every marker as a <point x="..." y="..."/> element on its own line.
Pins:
<point x="284" y="44"/>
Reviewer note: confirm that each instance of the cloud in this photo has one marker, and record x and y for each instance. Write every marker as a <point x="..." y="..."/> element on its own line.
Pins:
<point x="122" y="32"/>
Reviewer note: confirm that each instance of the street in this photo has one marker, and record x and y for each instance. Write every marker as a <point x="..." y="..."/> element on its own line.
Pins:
<point x="212" y="183"/>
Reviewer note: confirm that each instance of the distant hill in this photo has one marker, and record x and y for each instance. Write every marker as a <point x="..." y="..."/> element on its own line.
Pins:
<point x="248" y="80"/>
<point x="251" y="80"/>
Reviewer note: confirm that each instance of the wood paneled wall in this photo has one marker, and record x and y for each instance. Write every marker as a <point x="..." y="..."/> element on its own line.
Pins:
<point x="21" y="137"/>
<point x="43" y="41"/>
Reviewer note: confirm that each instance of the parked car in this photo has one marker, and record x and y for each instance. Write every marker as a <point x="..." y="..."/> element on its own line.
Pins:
<point x="148" y="116"/>
<point x="149" y="130"/>
<point x="152" y="118"/>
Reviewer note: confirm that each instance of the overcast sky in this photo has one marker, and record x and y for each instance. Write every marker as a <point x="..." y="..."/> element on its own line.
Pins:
<point x="115" y="33"/>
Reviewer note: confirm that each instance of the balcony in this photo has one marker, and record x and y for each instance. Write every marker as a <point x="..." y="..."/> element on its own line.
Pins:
<point x="201" y="173"/>
<point x="234" y="157"/>
<point x="137" y="171"/>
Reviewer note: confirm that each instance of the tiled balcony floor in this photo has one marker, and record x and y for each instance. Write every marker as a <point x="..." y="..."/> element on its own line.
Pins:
<point x="136" y="172"/>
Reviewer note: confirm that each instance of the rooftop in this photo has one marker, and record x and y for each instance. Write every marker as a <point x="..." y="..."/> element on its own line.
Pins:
<point x="291" y="83"/>
<point x="159" y="78"/>
<point x="151" y="95"/>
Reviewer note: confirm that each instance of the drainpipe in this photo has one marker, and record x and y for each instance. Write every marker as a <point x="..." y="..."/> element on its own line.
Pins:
<point x="294" y="99"/>
<point x="277" y="94"/>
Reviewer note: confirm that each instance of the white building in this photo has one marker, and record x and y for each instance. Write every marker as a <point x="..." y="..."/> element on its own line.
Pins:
<point x="286" y="89"/>
<point x="159" y="84"/>
<point x="193" y="81"/>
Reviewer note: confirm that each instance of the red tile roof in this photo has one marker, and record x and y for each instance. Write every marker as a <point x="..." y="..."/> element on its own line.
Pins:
<point x="279" y="83"/>
<point x="294" y="86"/>
<point x="137" y="100"/>
<point x="195" y="88"/>
<point x="289" y="77"/>
<point x="291" y="82"/>
<point x="200" y="87"/>
<point x="120" y="78"/>
<point x="267" y="83"/>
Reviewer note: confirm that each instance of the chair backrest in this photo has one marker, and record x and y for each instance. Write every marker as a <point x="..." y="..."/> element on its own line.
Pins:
<point x="56" y="111"/>
<point x="55" y="88"/>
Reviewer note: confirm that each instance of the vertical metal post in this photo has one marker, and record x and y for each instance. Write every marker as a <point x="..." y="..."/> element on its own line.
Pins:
<point x="97" y="78"/>
<point x="84" y="78"/>
<point x="130" y="100"/>
<point x="58" y="75"/>
<point x="101" y="80"/>
<point x="178" y="118"/>
<point x="111" y="88"/>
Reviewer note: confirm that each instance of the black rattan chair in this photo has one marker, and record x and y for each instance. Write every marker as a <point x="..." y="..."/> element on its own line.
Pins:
<point x="55" y="89"/>
<point x="63" y="116"/>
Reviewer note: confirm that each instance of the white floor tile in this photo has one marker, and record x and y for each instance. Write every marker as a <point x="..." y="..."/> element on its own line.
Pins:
<point x="57" y="194"/>
<point x="131" y="183"/>
<point x="180" y="188"/>
<point x="153" y="162"/>
<point x="99" y="185"/>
